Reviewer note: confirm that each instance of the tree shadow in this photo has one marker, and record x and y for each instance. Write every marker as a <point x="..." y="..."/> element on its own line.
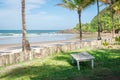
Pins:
<point x="43" y="72"/>
<point x="47" y="71"/>
<point x="65" y="56"/>
<point x="107" y="63"/>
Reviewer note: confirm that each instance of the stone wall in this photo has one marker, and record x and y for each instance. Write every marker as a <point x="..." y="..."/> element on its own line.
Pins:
<point x="37" y="52"/>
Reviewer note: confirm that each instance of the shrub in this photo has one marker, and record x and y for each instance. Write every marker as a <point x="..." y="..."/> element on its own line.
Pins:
<point x="105" y="43"/>
<point x="117" y="38"/>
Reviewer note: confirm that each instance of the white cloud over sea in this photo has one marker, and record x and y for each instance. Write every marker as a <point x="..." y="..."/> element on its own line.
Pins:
<point x="40" y="14"/>
<point x="10" y="13"/>
<point x="15" y="5"/>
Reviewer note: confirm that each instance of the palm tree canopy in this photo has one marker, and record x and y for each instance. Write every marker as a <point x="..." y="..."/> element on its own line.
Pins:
<point x="76" y="4"/>
<point x="110" y="1"/>
<point x="106" y="1"/>
<point x="116" y="5"/>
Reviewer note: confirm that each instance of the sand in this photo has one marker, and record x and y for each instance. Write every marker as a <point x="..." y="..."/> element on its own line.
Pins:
<point x="5" y="47"/>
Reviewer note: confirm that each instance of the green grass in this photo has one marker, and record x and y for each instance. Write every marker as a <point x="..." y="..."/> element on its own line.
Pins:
<point x="59" y="67"/>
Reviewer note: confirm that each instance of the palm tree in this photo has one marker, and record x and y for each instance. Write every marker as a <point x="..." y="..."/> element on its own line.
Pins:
<point x="25" y="42"/>
<point x="111" y="3"/>
<point x="113" y="30"/>
<point x="116" y="7"/>
<point x="99" y="37"/>
<point x="77" y="5"/>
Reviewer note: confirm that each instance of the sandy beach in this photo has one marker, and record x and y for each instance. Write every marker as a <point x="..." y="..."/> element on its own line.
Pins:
<point x="5" y="47"/>
<point x="12" y="53"/>
<point x="9" y="46"/>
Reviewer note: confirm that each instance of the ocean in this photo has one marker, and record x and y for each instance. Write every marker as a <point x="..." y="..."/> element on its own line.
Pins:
<point x="15" y="36"/>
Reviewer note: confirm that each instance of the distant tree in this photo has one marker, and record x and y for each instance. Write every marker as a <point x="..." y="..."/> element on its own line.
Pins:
<point x="25" y="42"/>
<point x="85" y="27"/>
<point x="105" y="21"/>
<point x="77" y="5"/>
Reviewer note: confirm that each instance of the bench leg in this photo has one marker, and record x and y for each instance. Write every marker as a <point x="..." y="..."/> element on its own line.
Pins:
<point x="78" y="65"/>
<point x="92" y="63"/>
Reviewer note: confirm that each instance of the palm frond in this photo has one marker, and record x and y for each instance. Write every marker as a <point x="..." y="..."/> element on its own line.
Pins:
<point x="60" y="5"/>
<point x="76" y="4"/>
<point x="68" y="4"/>
<point x="86" y="3"/>
<point x="116" y="7"/>
<point x="64" y="1"/>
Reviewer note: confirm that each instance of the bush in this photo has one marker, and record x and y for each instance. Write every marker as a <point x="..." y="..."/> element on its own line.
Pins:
<point x="117" y="38"/>
<point x="119" y="32"/>
<point x="105" y="43"/>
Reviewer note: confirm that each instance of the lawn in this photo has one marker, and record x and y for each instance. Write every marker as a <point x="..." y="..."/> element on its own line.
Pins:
<point x="59" y="67"/>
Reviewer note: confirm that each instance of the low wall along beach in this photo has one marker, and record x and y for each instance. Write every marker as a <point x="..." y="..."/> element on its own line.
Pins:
<point x="16" y="56"/>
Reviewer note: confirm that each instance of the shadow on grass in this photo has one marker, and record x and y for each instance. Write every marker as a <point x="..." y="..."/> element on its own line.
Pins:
<point x="44" y="72"/>
<point x="106" y="57"/>
<point x="107" y="67"/>
<point x="65" y="56"/>
<point x="107" y="64"/>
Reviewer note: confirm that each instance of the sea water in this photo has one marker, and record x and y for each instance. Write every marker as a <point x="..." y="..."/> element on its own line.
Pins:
<point x="15" y="36"/>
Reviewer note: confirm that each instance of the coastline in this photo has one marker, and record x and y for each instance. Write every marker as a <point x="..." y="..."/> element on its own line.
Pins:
<point x="45" y="43"/>
<point x="12" y="53"/>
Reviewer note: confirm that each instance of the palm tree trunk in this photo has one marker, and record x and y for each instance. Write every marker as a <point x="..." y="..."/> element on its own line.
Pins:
<point x="24" y="40"/>
<point x="99" y="37"/>
<point x="79" y="14"/>
<point x="113" y="30"/>
<point x="112" y="16"/>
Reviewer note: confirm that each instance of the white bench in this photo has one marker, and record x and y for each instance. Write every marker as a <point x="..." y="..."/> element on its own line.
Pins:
<point x="84" y="56"/>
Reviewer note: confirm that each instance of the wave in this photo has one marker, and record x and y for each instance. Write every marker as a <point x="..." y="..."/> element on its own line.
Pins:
<point x="8" y="35"/>
<point x="15" y="36"/>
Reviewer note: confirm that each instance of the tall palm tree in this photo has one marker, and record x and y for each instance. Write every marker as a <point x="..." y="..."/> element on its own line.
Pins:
<point x="98" y="17"/>
<point x="113" y="30"/>
<point x="111" y="3"/>
<point x="25" y="42"/>
<point x="77" y="5"/>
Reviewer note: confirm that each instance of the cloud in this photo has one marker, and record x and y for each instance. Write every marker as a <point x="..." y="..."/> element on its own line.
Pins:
<point x="16" y="4"/>
<point x="34" y="4"/>
<point x="40" y="14"/>
<point x="10" y="11"/>
<point x="36" y="1"/>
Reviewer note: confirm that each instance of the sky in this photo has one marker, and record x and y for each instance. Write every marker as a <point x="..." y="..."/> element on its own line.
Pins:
<point x="41" y="15"/>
